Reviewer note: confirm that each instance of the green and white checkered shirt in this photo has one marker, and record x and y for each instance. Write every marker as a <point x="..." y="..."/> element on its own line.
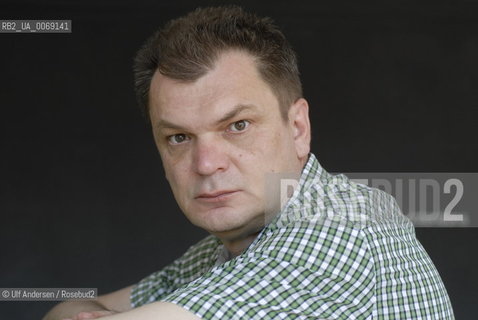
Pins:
<point x="338" y="250"/>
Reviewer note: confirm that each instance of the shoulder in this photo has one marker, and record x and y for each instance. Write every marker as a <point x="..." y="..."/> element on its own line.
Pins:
<point x="360" y="205"/>
<point x="192" y="264"/>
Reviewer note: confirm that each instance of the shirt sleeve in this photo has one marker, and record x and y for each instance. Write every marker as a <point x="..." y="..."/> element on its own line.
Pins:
<point x="191" y="265"/>
<point x="296" y="272"/>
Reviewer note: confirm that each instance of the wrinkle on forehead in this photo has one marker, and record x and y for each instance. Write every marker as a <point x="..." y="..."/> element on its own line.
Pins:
<point x="234" y="80"/>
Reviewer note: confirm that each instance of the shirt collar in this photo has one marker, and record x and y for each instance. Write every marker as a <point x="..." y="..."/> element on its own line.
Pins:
<point x="312" y="180"/>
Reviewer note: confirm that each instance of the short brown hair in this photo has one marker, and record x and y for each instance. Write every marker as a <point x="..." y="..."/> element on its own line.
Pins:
<point x="187" y="48"/>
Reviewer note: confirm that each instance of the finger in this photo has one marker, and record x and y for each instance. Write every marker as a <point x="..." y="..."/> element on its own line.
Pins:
<point x="102" y="313"/>
<point x="85" y="315"/>
<point x="92" y="314"/>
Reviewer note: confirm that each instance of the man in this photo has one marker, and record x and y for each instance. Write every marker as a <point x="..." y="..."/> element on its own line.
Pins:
<point x="222" y="91"/>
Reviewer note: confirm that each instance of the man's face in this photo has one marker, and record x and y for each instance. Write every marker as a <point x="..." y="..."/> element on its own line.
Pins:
<point x="219" y="137"/>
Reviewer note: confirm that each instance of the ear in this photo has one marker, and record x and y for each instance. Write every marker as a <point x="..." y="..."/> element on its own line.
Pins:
<point x="300" y="124"/>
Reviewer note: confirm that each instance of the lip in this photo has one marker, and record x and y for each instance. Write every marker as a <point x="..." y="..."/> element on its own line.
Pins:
<point x="216" y="196"/>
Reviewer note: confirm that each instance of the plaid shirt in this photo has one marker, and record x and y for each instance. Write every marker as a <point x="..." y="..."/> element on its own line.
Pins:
<point x="337" y="250"/>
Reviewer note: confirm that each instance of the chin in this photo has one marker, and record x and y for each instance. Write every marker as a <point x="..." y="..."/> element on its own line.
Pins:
<point x="221" y="222"/>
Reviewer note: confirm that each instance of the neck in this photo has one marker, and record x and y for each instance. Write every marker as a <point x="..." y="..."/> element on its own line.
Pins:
<point x="238" y="246"/>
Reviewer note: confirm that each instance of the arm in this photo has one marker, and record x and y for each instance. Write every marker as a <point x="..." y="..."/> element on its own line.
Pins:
<point x="117" y="301"/>
<point x="153" y="287"/>
<point x="155" y="311"/>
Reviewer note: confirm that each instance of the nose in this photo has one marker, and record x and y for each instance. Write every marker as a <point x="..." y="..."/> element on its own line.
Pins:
<point x="210" y="156"/>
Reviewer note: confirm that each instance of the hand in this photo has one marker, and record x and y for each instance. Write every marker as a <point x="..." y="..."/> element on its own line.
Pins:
<point x="91" y="315"/>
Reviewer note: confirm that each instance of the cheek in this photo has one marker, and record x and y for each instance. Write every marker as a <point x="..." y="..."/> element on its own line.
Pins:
<point x="175" y="173"/>
<point x="173" y="162"/>
<point x="179" y="183"/>
<point x="270" y="144"/>
<point x="258" y="155"/>
<point x="260" y="141"/>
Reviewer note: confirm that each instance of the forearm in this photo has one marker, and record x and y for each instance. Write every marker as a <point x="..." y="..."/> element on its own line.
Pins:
<point x="68" y="309"/>
<point x="155" y="311"/>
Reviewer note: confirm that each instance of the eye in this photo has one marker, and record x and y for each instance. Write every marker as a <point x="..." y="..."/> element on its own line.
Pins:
<point x="239" y="126"/>
<point x="177" y="138"/>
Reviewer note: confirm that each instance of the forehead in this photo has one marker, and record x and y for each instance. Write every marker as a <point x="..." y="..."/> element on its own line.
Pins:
<point x="233" y="80"/>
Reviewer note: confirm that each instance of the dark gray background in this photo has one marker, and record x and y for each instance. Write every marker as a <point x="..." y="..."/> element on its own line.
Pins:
<point x="83" y="203"/>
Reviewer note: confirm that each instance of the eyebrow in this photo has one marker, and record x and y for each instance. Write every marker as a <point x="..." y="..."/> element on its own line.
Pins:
<point x="228" y="116"/>
<point x="235" y="111"/>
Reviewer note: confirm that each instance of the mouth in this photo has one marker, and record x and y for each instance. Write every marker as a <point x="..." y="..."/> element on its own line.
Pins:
<point x="216" y="196"/>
